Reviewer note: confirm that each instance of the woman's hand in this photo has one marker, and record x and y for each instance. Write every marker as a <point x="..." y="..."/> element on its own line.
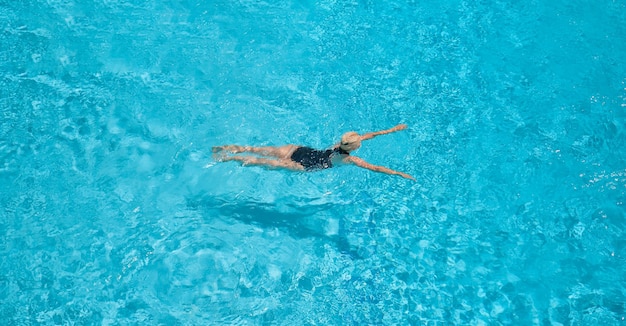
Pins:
<point x="399" y="127"/>
<point x="406" y="176"/>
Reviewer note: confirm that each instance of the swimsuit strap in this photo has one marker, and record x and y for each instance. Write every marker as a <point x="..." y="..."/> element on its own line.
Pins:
<point x="340" y="151"/>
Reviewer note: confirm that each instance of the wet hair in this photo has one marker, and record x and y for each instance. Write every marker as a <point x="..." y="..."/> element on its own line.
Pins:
<point x="350" y="141"/>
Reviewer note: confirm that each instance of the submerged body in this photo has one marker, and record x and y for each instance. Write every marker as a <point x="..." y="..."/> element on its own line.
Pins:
<point x="302" y="158"/>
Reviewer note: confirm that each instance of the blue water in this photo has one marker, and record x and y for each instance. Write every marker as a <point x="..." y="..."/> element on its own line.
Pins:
<point x="113" y="211"/>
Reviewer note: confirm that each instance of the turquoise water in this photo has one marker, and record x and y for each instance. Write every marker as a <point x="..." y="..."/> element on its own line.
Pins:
<point x="113" y="211"/>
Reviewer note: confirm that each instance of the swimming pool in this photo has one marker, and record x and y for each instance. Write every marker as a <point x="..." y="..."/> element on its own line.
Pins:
<point x="113" y="211"/>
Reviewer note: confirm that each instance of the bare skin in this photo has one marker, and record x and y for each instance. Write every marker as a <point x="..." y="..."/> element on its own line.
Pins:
<point x="280" y="156"/>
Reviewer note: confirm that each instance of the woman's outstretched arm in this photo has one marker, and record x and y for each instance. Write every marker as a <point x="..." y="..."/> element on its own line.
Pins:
<point x="361" y="163"/>
<point x="371" y="135"/>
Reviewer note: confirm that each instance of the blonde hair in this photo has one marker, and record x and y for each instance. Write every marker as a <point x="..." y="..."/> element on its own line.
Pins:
<point x="350" y="141"/>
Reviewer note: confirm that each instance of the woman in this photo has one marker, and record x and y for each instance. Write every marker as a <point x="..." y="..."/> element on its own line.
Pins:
<point x="301" y="158"/>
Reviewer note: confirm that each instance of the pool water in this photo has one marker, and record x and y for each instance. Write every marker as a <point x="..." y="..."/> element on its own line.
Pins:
<point x="113" y="211"/>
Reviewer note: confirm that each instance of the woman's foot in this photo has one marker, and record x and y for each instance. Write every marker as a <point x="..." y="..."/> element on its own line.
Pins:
<point x="219" y="156"/>
<point x="229" y="148"/>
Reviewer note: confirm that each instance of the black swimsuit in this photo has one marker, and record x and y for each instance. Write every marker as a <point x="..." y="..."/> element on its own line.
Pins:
<point x="313" y="159"/>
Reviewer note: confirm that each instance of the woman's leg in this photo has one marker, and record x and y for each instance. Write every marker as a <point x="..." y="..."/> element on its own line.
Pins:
<point x="271" y="163"/>
<point x="283" y="152"/>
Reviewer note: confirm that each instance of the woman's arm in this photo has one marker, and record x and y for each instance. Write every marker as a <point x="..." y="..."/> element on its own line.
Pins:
<point x="361" y="163"/>
<point x="371" y="135"/>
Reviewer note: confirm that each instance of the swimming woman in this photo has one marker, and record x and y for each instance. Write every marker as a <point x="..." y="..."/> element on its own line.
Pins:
<point x="302" y="158"/>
